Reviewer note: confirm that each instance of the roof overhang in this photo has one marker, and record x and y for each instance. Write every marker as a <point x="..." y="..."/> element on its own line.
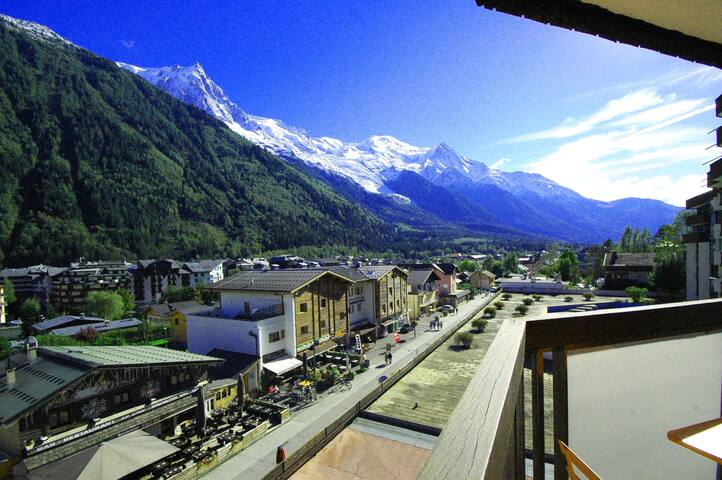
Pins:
<point x="689" y="30"/>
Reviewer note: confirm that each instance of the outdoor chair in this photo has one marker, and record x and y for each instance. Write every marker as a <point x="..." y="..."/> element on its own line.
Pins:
<point x="573" y="460"/>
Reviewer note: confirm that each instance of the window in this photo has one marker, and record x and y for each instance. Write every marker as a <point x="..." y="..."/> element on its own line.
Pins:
<point x="323" y="303"/>
<point x="358" y="307"/>
<point x="383" y="308"/>
<point x="121" y="398"/>
<point x="176" y="322"/>
<point x="359" y="290"/>
<point x="398" y="303"/>
<point x="218" y="396"/>
<point x="304" y="307"/>
<point x="276" y="336"/>
<point x="391" y="290"/>
<point x="60" y="417"/>
<point x="304" y="330"/>
<point x="391" y="306"/>
<point x="322" y="323"/>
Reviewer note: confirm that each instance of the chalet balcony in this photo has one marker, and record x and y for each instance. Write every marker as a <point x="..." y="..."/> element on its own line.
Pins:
<point x="615" y="386"/>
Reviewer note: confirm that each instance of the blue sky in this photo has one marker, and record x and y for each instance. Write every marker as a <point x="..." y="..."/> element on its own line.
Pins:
<point x="605" y="119"/>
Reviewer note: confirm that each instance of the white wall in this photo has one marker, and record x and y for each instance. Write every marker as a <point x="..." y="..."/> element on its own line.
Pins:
<point x="367" y="312"/>
<point x="623" y="400"/>
<point x="232" y="303"/>
<point x="207" y="333"/>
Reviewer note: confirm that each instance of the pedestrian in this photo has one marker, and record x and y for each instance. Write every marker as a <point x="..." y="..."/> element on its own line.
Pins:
<point x="390" y="358"/>
<point x="441" y="325"/>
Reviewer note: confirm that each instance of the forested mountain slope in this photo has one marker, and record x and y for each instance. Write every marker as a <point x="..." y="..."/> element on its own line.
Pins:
<point x="96" y="162"/>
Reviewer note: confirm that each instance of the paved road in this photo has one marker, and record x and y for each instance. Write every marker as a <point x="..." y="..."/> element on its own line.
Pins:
<point x="260" y="458"/>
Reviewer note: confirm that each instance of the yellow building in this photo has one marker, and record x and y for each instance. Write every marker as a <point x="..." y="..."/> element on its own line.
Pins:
<point x="223" y="392"/>
<point x="175" y="314"/>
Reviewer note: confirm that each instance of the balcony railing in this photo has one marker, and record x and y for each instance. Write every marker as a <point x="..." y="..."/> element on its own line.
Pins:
<point x="484" y="438"/>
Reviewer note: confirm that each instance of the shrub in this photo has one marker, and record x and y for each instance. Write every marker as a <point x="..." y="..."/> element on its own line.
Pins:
<point x="568" y="299"/>
<point x="506" y="296"/>
<point x="637" y="294"/>
<point x="491" y="311"/>
<point x="87" y="334"/>
<point x="479" y="324"/>
<point x="537" y="298"/>
<point x="465" y="339"/>
<point x="588" y="295"/>
<point x="522" y="309"/>
<point x="527" y="301"/>
<point x="499" y="305"/>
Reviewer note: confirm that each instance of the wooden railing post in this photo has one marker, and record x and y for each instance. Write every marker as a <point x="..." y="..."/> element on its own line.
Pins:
<point x="537" y="413"/>
<point x="520" y="434"/>
<point x="561" y="411"/>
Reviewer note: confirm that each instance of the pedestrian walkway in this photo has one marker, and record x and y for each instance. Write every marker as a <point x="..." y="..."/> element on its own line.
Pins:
<point x="260" y="458"/>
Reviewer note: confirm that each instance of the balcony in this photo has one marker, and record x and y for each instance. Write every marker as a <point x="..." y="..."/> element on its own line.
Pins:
<point x="698" y="219"/>
<point x="620" y="380"/>
<point x="257" y="314"/>
<point x="714" y="174"/>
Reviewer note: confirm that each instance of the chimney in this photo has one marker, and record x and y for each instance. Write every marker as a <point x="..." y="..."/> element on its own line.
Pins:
<point x="10" y="378"/>
<point x="31" y="350"/>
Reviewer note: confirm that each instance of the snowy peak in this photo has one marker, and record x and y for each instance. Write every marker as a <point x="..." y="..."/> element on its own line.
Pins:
<point x="40" y="32"/>
<point x="371" y="163"/>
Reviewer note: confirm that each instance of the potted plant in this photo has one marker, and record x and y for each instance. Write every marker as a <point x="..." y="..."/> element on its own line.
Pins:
<point x="490" y="312"/>
<point x="499" y="305"/>
<point x="506" y="296"/>
<point x="521" y="309"/>
<point x="527" y="301"/>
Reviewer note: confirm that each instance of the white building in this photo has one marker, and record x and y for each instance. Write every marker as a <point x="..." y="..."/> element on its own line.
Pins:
<point x="275" y="315"/>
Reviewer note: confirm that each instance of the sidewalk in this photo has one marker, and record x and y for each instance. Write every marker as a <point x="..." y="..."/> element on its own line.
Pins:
<point x="259" y="459"/>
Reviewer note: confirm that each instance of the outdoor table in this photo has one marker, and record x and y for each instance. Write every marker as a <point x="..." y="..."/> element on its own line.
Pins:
<point x="305" y="383"/>
<point x="702" y="438"/>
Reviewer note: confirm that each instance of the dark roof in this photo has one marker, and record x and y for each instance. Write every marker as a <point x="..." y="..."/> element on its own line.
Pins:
<point x="58" y="322"/>
<point x="35" y="270"/>
<point x="375" y="272"/>
<point x="419" y="277"/>
<point x="124" y="356"/>
<point x="234" y="364"/>
<point x="447" y="268"/>
<point x="190" y="306"/>
<point x="202" y="265"/>
<point x="98" y="327"/>
<point x="272" y="280"/>
<point x="628" y="260"/>
<point x="416" y="266"/>
<point x="352" y="273"/>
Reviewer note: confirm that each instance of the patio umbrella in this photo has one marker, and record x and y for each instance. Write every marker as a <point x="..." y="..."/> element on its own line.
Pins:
<point x="109" y="460"/>
<point x="200" y="412"/>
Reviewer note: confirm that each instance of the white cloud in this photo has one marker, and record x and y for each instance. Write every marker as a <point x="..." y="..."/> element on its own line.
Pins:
<point x="632" y="102"/>
<point x="634" y="146"/>
<point x="128" y="43"/>
<point x="498" y="164"/>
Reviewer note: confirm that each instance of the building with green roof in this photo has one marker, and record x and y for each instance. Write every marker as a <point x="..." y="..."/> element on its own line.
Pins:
<point x="57" y="401"/>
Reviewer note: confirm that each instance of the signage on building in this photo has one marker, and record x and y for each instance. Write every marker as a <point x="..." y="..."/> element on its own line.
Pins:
<point x="274" y="355"/>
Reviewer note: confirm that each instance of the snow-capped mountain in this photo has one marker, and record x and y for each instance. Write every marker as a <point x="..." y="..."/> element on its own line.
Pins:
<point x="40" y="32"/>
<point x="516" y="199"/>
<point x="368" y="163"/>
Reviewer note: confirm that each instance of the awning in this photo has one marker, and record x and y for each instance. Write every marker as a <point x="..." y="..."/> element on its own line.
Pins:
<point x="459" y="294"/>
<point x="320" y="348"/>
<point x="283" y="365"/>
<point x="363" y="329"/>
<point x="388" y="322"/>
<point x="109" y="460"/>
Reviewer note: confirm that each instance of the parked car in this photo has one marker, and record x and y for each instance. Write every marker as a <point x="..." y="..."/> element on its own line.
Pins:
<point x="16" y="323"/>
<point x="446" y="308"/>
<point x="406" y="328"/>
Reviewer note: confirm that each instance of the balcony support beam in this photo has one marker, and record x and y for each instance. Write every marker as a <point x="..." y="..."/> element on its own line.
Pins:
<point x="561" y="411"/>
<point x="537" y="415"/>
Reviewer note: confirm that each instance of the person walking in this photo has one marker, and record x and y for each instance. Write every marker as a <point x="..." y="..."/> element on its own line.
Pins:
<point x="390" y="358"/>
